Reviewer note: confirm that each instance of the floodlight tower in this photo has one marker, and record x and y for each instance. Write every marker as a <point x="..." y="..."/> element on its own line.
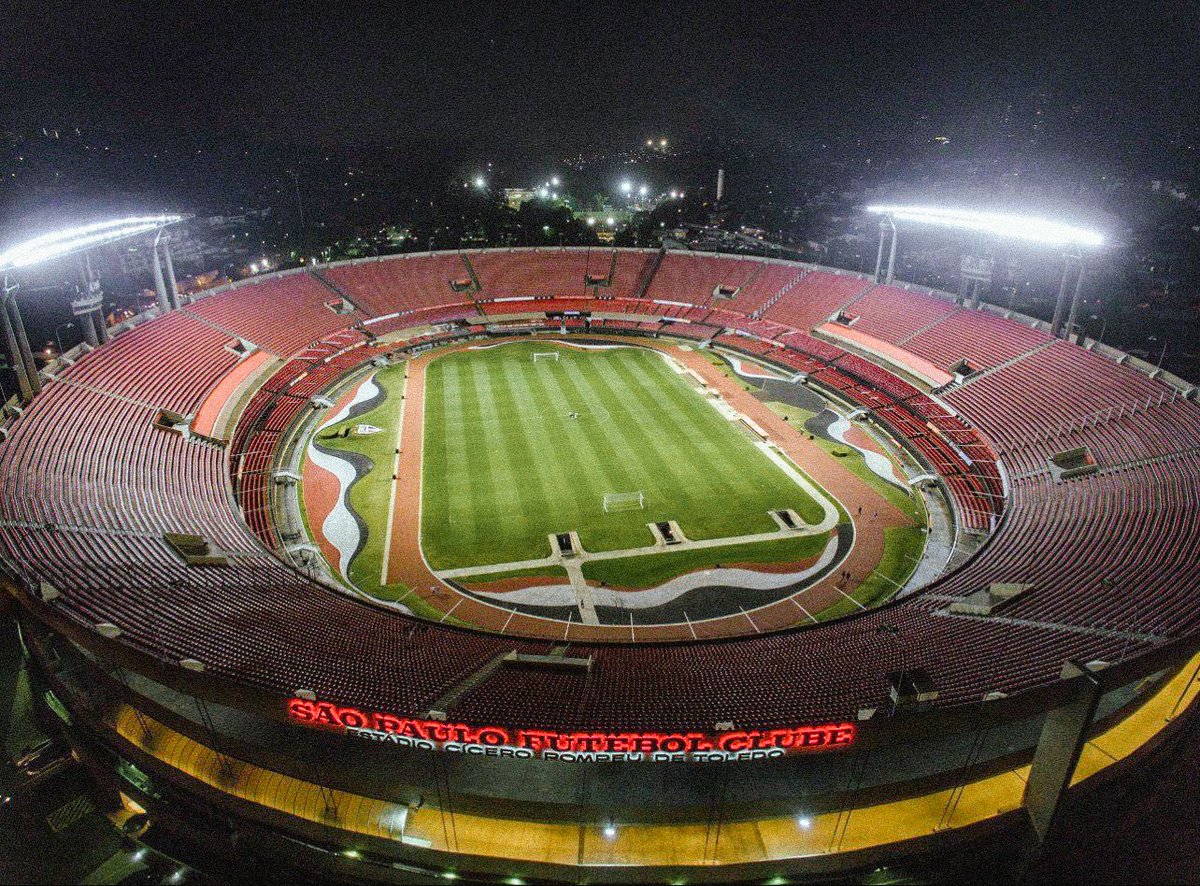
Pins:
<point x="1072" y="267"/>
<point x="165" y="290"/>
<point x="87" y="305"/>
<point x="976" y="274"/>
<point x="1031" y="229"/>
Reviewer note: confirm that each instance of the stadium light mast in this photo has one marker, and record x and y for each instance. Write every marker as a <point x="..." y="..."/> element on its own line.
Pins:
<point x="1071" y="239"/>
<point x="87" y="307"/>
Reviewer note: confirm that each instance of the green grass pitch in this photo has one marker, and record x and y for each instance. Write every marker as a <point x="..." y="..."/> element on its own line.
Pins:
<point x="505" y="464"/>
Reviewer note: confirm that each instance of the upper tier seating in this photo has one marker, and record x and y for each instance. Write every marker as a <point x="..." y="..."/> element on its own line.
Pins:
<point x="815" y="299"/>
<point x="1048" y="388"/>
<point x="529" y="273"/>
<point x="401" y="283"/>
<point x="280" y="315"/>
<point x="172" y="363"/>
<point x="893" y="314"/>
<point x="692" y="277"/>
<point x="982" y="339"/>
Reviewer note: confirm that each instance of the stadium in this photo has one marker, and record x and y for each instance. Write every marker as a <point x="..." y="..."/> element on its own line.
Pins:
<point x="603" y="565"/>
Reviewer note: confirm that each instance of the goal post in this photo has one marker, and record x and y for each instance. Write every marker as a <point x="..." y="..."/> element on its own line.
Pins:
<point x="545" y="355"/>
<point x="624" y="501"/>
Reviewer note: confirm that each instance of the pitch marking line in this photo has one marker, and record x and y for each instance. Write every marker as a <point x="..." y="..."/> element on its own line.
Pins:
<point x="387" y="533"/>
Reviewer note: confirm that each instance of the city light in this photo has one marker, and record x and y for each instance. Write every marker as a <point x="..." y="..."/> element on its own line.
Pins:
<point x="554" y="181"/>
<point x="611" y="221"/>
<point x="69" y="240"/>
<point x="479" y="182"/>
<point x="626" y="187"/>
<point x="1020" y="227"/>
<point x="591" y="221"/>
<point x="643" y="191"/>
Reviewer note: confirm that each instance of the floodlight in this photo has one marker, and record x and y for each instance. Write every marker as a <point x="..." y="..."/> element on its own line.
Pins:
<point x="554" y="181"/>
<point x="1020" y="227"/>
<point x="479" y="182"/>
<point x="61" y="243"/>
<point x="643" y="191"/>
<point x="626" y="187"/>
<point x="612" y="221"/>
<point x="591" y="221"/>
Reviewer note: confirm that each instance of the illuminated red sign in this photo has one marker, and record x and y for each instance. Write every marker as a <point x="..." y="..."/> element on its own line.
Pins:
<point x="498" y="741"/>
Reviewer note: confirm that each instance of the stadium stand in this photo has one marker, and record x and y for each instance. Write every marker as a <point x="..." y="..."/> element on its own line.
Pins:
<point x="91" y="485"/>
<point x="692" y="278"/>
<point x="385" y="286"/>
<point x="280" y="315"/>
<point x="172" y="363"/>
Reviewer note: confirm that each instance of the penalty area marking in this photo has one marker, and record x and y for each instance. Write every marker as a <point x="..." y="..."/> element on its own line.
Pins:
<point x="387" y="534"/>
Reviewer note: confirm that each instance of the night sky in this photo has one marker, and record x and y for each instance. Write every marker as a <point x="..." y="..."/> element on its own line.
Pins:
<point x="563" y="78"/>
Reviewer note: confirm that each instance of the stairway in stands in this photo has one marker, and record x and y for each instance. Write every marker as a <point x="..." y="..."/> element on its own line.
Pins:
<point x="928" y="326"/>
<point x="333" y="287"/>
<point x="859" y="296"/>
<point x="743" y="287"/>
<point x="787" y="287"/>
<point x="648" y="273"/>
<point x="476" y="286"/>
<point x="984" y="373"/>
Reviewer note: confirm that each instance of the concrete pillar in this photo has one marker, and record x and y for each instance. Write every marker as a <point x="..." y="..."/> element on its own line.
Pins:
<point x="1075" y="302"/>
<point x="879" y="254"/>
<point x="35" y="380"/>
<point x="88" y="330"/>
<point x="160" y="287"/>
<point x="172" y="288"/>
<point x="10" y="337"/>
<point x="891" y="275"/>
<point x="1061" y="302"/>
<point x="1063" y="737"/>
<point x="101" y="324"/>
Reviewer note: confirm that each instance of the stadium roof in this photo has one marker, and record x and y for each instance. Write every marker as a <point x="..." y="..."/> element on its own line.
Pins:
<point x="58" y="244"/>
<point x="1020" y="227"/>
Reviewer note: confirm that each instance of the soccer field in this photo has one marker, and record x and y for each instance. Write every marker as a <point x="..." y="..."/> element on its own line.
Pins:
<point x="506" y="464"/>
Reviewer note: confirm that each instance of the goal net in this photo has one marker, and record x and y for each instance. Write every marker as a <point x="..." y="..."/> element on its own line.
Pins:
<point x="624" y="501"/>
<point x="548" y="355"/>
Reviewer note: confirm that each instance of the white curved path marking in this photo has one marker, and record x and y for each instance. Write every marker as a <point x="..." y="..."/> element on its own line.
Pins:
<point x="750" y="370"/>
<point x="881" y="465"/>
<point x="339" y="527"/>
<point x="366" y="390"/>
<point x="564" y="594"/>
